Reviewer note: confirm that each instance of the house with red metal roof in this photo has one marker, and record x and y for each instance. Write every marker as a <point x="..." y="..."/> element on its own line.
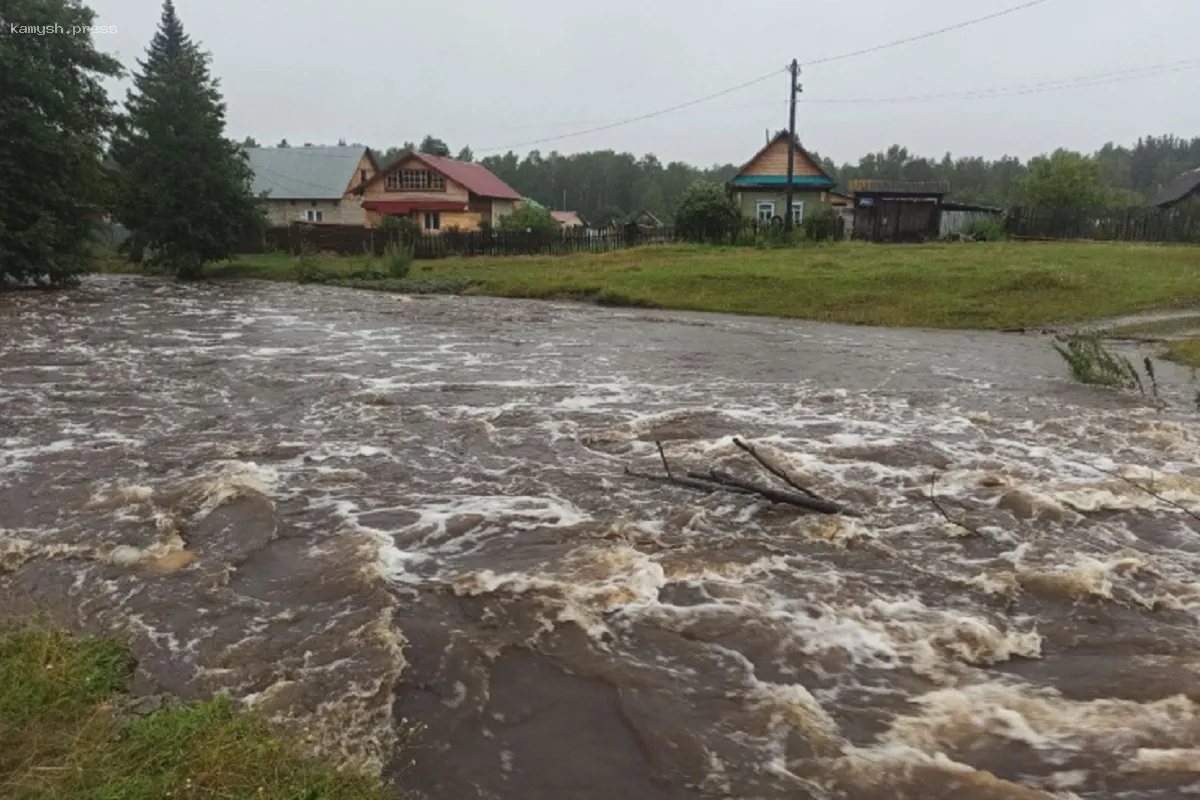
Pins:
<point x="567" y="219"/>
<point x="439" y="193"/>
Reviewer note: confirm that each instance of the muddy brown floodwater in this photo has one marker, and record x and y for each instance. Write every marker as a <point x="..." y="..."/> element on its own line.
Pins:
<point x="358" y="512"/>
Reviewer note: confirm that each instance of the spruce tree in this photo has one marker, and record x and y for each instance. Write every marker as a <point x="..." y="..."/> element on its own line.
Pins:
<point x="53" y="115"/>
<point x="185" y="189"/>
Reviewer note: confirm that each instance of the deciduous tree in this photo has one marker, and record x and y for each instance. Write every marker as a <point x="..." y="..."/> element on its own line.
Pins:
<point x="530" y="216"/>
<point x="1066" y="179"/>
<point x="706" y="213"/>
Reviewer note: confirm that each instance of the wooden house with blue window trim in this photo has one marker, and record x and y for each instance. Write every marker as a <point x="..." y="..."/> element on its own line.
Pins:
<point x="760" y="189"/>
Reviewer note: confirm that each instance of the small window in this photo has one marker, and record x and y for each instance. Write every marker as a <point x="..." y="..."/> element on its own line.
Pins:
<point x="797" y="213"/>
<point x="362" y="176"/>
<point x="314" y="216"/>
<point x="433" y="220"/>
<point x="765" y="212"/>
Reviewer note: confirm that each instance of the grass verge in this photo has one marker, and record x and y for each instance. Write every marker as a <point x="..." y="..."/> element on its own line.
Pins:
<point x="1002" y="285"/>
<point x="1156" y="328"/>
<point x="1185" y="352"/>
<point x="63" y="735"/>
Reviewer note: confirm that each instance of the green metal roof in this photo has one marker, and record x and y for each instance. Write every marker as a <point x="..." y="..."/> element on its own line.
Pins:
<point x="303" y="173"/>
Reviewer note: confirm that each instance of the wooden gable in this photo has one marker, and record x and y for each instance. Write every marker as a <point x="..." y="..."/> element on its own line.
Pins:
<point x="376" y="188"/>
<point x="363" y="172"/>
<point x="772" y="160"/>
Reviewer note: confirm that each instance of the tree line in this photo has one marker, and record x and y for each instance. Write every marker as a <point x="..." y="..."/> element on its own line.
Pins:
<point x="1114" y="175"/>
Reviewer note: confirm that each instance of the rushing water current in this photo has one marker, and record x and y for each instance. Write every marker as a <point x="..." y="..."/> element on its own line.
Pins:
<point x="401" y="529"/>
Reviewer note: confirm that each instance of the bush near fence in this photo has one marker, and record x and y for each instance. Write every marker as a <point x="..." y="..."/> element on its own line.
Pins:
<point x="357" y="240"/>
<point x="1172" y="226"/>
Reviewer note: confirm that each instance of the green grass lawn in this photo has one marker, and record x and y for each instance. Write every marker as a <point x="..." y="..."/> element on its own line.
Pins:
<point x="62" y="736"/>
<point x="985" y="285"/>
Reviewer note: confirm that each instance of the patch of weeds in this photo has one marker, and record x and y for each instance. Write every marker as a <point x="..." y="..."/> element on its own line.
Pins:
<point x="989" y="229"/>
<point x="1094" y="364"/>
<point x="307" y="268"/>
<point x="1148" y="363"/>
<point x="62" y="735"/>
<point x="399" y="259"/>
<point x="371" y="270"/>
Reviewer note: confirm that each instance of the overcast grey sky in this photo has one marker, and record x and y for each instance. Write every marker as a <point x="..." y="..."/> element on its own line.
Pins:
<point x="489" y="73"/>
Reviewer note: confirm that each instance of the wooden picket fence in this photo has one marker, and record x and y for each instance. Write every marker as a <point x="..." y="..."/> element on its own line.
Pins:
<point x="1179" y="225"/>
<point x="357" y="240"/>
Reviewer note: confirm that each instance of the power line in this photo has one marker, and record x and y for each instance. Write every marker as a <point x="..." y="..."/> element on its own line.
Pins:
<point x="1079" y="82"/>
<point x="768" y="76"/>
<point x="926" y="35"/>
<point x="630" y="120"/>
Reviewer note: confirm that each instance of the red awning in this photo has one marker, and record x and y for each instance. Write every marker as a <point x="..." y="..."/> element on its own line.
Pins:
<point x="401" y="207"/>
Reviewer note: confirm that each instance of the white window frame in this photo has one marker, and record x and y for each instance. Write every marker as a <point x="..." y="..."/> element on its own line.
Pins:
<point x="313" y="215"/>
<point x="769" y="205"/>
<point x="797" y="212"/>
<point x="435" y="217"/>
<point x="415" y="180"/>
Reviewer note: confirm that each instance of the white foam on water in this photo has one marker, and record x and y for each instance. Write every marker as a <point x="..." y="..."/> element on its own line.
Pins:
<point x="585" y="586"/>
<point x="1042" y="720"/>
<point x="1148" y="759"/>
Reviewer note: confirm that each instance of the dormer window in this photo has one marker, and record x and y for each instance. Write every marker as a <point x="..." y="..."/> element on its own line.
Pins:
<point x="415" y="180"/>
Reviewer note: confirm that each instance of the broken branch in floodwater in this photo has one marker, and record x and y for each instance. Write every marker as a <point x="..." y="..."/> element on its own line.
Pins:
<point x="700" y="486"/>
<point x="775" y="469"/>
<point x="717" y="481"/>
<point x="663" y="455"/>
<point x="941" y="510"/>
<point x="774" y="495"/>
<point x="1149" y="491"/>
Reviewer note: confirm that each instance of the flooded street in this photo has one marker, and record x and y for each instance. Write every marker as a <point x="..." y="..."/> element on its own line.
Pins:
<point x="401" y="529"/>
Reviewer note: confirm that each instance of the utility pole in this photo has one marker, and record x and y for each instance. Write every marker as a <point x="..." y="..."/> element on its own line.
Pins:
<point x="791" y="188"/>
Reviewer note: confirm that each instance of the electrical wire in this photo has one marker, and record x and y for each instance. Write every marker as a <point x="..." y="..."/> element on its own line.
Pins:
<point x="1080" y="82"/>
<point x="926" y="35"/>
<point x="768" y="76"/>
<point x="630" y="120"/>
